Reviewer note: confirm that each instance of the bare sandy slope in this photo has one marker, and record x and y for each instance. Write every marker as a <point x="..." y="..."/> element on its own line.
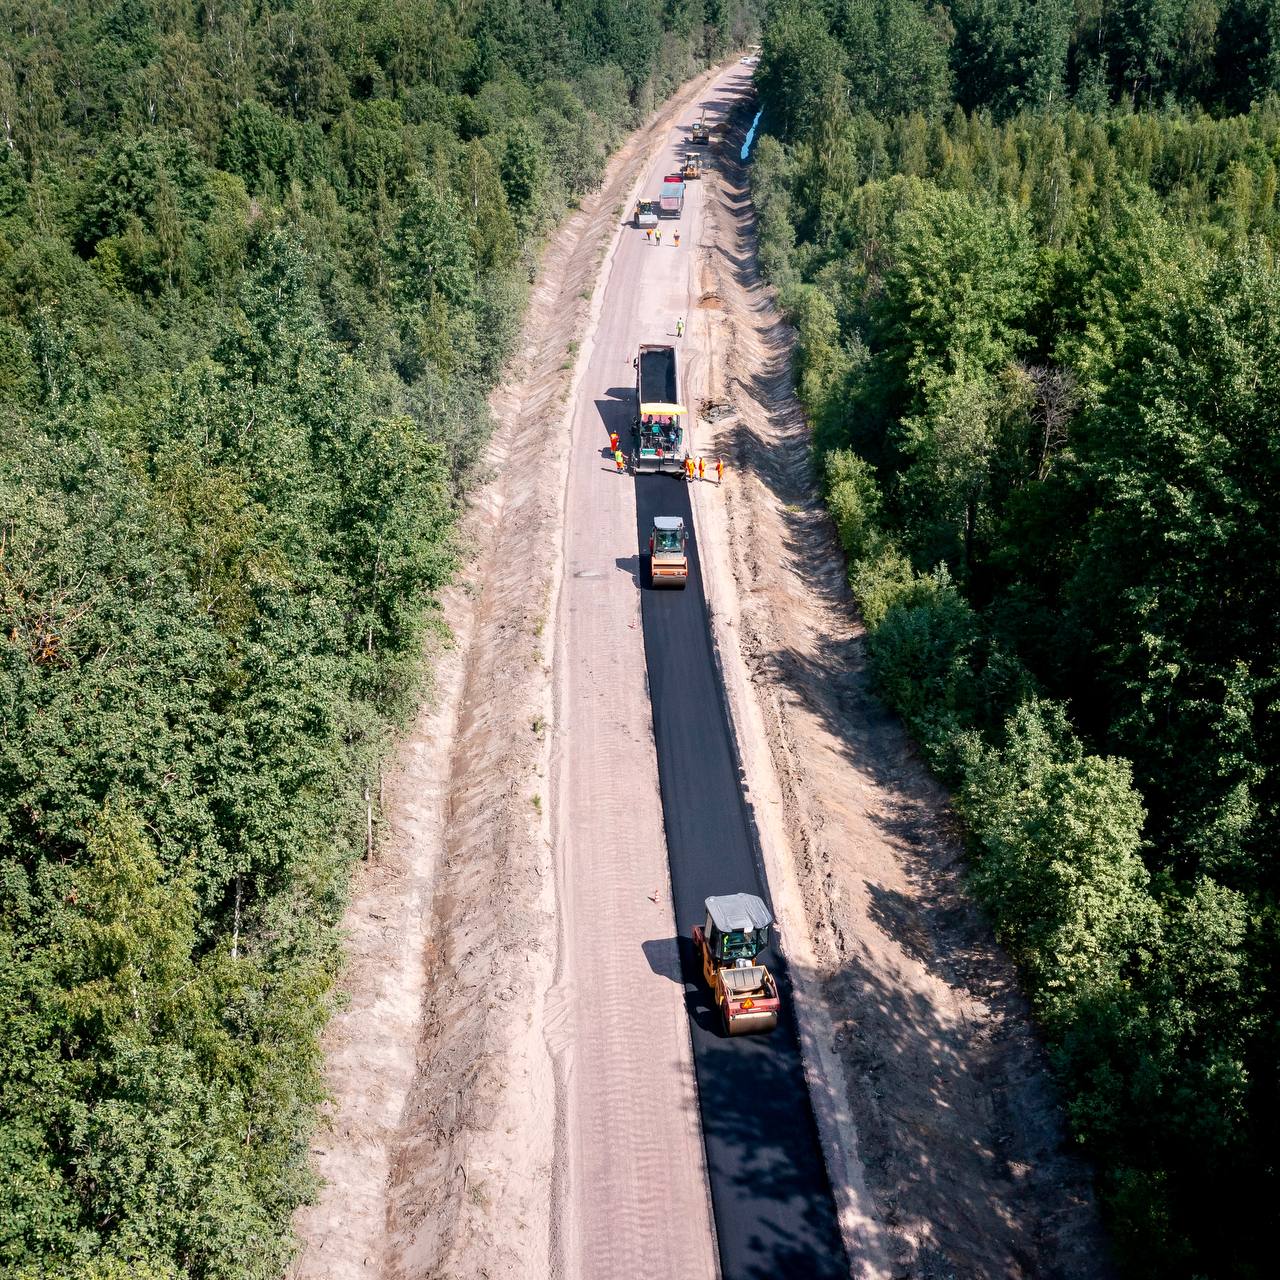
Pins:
<point x="929" y="1083"/>
<point x="440" y="1153"/>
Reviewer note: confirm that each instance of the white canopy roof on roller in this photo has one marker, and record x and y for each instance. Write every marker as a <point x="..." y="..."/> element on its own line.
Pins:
<point x="732" y="912"/>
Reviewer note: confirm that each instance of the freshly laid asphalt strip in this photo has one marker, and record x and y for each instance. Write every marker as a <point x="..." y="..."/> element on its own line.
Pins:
<point x="774" y="1212"/>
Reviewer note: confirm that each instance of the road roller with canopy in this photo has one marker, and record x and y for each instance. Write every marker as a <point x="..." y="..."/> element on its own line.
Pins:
<point x="735" y="933"/>
<point x="668" y="552"/>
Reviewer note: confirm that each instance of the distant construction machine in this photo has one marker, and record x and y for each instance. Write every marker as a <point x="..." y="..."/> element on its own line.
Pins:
<point x="658" y="433"/>
<point x="700" y="135"/>
<point x="668" y="552"/>
<point x="646" y="213"/>
<point x="735" y="933"/>
<point x="692" y="167"/>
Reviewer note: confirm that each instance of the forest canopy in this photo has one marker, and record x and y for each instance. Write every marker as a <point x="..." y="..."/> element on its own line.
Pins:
<point x="1030" y="250"/>
<point x="260" y="263"/>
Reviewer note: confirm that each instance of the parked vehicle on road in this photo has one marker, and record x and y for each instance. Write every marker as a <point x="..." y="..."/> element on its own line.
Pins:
<point x="671" y="197"/>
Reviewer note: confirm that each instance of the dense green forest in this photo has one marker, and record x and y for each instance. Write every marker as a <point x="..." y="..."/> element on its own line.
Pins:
<point x="260" y="261"/>
<point x="1030" y="249"/>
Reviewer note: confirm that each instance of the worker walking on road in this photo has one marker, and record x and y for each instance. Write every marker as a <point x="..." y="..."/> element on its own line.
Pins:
<point x="648" y="234"/>
<point x="702" y="469"/>
<point x="619" y="461"/>
<point x="719" y="470"/>
<point x="688" y="468"/>
<point x="680" y="327"/>
<point x="613" y="441"/>
<point x="676" y="235"/>
<point x="657" y="235"/>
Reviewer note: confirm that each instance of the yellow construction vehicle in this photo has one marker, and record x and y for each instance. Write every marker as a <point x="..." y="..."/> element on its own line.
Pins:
<point x="692" y="167"/>
<point x="700" y="134"/>
<point x="668" y="552"/>
<point x="658" y="431"/>
<point x="735" y="933"/>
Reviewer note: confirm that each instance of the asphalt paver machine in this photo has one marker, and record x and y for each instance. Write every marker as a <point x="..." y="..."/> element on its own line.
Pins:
<point x="658" y="431"/>
<point x="736" y="931"/>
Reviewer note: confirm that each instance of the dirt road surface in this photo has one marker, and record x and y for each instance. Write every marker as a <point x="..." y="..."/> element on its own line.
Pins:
<point x="773" y="1208"/>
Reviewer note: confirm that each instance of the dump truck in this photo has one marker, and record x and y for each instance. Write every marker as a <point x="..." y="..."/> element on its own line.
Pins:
<point x="692" y="167"/>
<point x="668" y="552"/>
<point x="729" y="943"/>
<point x="646" y="213"/>
<point x="700" y="134"/>
<point x="671" y="197"/>
<point x="658" y="432"/>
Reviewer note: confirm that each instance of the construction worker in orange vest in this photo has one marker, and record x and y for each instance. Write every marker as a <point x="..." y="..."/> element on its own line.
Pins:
<point x="702" y="469"/>
<point x="688" y="468"/>
<point x="613" y="441"/>
<point x="719" y="470"/>
<point x="676" y="235"/>
<point x="619" y="461"/>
